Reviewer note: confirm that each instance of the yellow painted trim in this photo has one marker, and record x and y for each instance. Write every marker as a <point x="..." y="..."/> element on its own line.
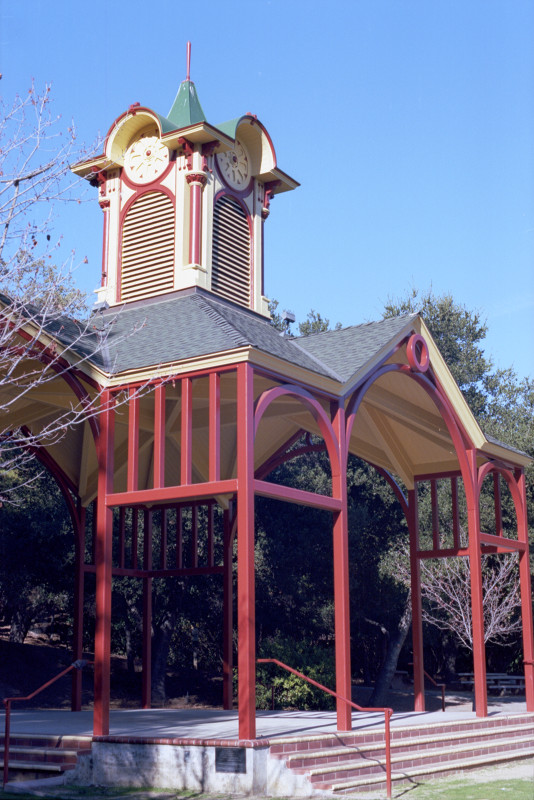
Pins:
<point x="201" y="133"/>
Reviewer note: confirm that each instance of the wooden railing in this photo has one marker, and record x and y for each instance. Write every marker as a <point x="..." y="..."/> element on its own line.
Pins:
<point x="386" y="711"/>
<point x="80" y="664"/>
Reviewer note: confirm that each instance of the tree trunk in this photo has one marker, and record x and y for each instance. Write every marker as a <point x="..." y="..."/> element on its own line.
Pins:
<point x="389" y="664"/>
<point x="161" y="644"/>
<point x="20" y="624"/>
<point x="449" y="665"/>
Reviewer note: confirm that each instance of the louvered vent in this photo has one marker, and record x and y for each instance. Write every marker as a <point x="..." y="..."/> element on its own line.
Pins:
<point x="231" y="251"/>
<point x="148" y="247"/>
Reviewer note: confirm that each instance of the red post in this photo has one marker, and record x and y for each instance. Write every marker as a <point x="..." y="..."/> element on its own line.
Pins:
<point x="341" y="577"/>
<point x="246" y="612"/>
<point x="196" y="180"/>
<point x="228" y="612"/>
<point x="455" y="513"/>
<point x="135" y="532"/>
<point x="147" y="613"/>
<point x="122" y="534"/>
<point x="417" y="614"/>
<point x="215" y="427"/>
<point x="133" y="441"/>
<point x="77" y="645"/>
<point x="103" y="560"/>
<point x="211" y="553"/>
<point x="477" y="608"/>
<point x="497" y="504"/>
<point x="159" y="436"/>
<point x="526" y="595"/>
<point x="186" y="431"/>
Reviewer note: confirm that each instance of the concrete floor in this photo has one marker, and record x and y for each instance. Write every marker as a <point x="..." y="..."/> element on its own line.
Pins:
<point x="218" y="724"/>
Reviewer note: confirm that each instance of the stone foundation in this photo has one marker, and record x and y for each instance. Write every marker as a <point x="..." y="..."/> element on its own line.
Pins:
<point x="236" y="768"/>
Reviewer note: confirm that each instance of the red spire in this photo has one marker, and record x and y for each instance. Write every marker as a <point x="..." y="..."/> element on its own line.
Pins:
<point x="187" y="77"/>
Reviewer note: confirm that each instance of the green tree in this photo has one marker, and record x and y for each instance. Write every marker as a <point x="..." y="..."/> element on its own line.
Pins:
<point x="459" y="334"/>
<point x="36" y="558"/>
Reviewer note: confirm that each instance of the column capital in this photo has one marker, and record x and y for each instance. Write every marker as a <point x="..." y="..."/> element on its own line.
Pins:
<point x="196" y="178"/>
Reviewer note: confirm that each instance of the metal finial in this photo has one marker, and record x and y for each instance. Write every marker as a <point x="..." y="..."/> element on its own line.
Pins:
<point x="187" y="77"/>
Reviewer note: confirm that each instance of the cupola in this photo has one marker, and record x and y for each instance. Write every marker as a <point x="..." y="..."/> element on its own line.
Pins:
<point x="184" y="203"/>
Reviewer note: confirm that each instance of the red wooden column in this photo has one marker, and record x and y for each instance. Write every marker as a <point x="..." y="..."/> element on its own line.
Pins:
<point x="246" y="611"/>
<point x="197" y="181"/>
<point x="103" y="561"/>
<point x="341" y="574"/>
<point x="146" y="690"/>
<point x="477" y="609"/>
<point x="228" y="616"/>
<point x="77" y="644"/>
<point x="526" y="594"/>
<point x="417" y="614"/>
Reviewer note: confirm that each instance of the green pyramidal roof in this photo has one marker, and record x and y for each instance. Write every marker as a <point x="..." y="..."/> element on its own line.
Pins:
<point x="186" y="109"/>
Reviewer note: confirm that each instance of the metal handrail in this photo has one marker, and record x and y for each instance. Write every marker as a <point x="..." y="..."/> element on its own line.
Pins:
<point x="441" y="686"/>
<point x="79" y="664"/>
<point x="386" y="711"/>
<point x="438" y="686"/>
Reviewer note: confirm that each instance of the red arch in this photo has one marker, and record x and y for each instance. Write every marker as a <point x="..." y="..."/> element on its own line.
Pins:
<point x="315" y="408"/>
<point x="507" y="474"/>
<point x="441" y="402"/>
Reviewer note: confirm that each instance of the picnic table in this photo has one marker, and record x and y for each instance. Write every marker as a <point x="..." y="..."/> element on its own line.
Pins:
<point x="496" y="681"/>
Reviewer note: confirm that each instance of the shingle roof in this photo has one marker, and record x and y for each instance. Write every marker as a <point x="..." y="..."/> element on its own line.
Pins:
<point x="179" y="327"/>
<point x="189" y="325"/>
<point x="348" y="349"/>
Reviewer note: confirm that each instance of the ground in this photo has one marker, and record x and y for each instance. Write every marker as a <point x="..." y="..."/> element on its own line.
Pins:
<point x="513" y="781"/>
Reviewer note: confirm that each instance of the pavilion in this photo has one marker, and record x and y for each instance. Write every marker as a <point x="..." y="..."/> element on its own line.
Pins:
<point x="200" y="397"/>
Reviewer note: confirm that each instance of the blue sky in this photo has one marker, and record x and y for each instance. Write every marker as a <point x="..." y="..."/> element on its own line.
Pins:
<point x="408" y="123"/>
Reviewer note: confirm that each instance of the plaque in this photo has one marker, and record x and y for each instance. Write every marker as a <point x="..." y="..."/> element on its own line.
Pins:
<point x="230" y="759"/>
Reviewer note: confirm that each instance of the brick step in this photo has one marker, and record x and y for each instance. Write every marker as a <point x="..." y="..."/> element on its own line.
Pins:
<point x="42" y="754"/>
<point x="32" y="757"/>
<point x="49" y="741"/>
<point x="37" y="766"/>
<point x="283" y="748"/>
<point x="416" y="759"/>
<point x="313" y="758"/>
<point x="378" y="783"/>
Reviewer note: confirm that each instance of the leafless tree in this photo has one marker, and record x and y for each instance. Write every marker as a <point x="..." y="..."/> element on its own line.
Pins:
<point x="446" y="594"/>
<point x="40" y="337"/>
<point x="446" y="588"/>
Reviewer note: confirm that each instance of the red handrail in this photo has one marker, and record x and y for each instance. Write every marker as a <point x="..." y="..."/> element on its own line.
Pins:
<point x="80" y="664"/>
<point x="438" y="686"/>
<point x="387" y="711"/>
<point x="441" y="686"/>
